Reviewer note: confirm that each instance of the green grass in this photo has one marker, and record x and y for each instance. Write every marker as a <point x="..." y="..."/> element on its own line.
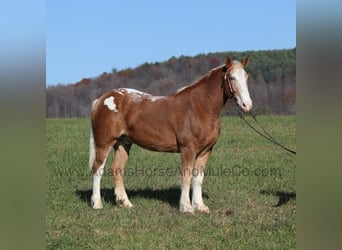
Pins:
<point x="250" y="188"/>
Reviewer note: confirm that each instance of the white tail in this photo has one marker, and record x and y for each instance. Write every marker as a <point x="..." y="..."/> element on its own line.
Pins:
<point x="92" y="152"/>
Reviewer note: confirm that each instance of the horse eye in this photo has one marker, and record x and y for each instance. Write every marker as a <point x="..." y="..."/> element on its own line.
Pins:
<point x="231" y="78"/>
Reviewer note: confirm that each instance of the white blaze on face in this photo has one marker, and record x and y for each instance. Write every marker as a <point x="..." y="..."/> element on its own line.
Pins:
<point x="109" y="102"/>
<point x="239" y="81"/>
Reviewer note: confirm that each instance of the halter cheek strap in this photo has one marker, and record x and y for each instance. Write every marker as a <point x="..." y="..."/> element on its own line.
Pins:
<point x="228" y="82"/>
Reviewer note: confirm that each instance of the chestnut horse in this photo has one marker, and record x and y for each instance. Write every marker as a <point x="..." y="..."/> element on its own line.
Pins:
<point x="186" y="122"/>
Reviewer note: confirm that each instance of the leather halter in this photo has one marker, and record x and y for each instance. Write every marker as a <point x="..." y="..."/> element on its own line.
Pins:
<point x="228" y="83"/>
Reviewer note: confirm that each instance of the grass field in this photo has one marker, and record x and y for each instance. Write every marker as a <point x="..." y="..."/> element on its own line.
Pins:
<point x="250" y="188"/>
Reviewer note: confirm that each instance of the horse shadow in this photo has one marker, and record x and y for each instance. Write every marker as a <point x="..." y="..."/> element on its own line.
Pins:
<point x="283" y="197"/>
<point x="169" y="195"/>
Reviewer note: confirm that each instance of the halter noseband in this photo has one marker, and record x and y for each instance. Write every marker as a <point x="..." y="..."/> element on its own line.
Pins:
<point x="228" y="82"/>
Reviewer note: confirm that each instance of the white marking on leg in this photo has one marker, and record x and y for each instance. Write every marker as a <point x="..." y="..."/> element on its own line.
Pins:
<point x="122" y="198"/>
<point x="184" y="203"/>
<point x="96" y="202"/>
<point x="109" y="102"/>
<point x="197" y="200"/>
<point x="197" y="189"/>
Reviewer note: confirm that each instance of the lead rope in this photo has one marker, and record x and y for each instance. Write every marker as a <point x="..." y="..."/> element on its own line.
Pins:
<point x="267" y="136"/>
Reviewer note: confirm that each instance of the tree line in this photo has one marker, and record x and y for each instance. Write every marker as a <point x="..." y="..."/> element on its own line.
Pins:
<point x="272" y="82"/>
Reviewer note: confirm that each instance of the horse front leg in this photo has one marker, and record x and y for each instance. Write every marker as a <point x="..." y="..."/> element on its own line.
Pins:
<point x="188" y="160"/>
<point x="197" y="180"/>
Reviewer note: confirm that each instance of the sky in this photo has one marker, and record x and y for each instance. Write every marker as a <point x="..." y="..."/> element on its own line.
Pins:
<point x="86" y="38"/>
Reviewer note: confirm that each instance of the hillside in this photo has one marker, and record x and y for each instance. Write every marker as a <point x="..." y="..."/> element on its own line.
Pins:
<point x="272" y="82"/>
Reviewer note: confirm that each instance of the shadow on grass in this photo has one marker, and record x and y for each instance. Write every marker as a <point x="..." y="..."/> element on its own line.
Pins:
<point x="169" y="195"/>
<point x="284" y="197"/>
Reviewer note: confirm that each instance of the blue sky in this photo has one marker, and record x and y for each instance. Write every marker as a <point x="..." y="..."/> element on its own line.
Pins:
<point x="86" y="38"/>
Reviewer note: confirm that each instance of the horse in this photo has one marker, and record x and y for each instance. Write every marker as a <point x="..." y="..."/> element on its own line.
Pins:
<point x="185" y="122"/>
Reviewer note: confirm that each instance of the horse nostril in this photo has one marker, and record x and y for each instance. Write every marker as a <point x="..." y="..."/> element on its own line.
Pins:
<point x="244" y="105"/>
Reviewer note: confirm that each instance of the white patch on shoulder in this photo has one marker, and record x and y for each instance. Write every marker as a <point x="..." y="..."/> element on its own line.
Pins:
<point x="109" y="102"/>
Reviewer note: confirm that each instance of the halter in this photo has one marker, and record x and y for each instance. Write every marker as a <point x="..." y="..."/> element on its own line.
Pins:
<point x="228" y="82"/>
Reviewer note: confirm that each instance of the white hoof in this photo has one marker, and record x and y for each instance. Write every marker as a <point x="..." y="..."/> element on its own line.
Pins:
<point x="201" y="208"/>
<point x="96" y="203"/>
<point x="186" y="209"/>
<point x="124" y="203"/>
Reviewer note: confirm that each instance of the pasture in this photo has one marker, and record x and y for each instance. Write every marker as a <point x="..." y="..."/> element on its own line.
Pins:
<point x="249" y="186"/>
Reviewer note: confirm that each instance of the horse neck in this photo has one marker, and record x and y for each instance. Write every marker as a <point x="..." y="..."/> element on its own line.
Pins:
<point x="210" y="93"/>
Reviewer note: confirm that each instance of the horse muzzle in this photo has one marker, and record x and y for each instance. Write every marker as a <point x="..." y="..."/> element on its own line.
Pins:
<point x="245" y="105"/>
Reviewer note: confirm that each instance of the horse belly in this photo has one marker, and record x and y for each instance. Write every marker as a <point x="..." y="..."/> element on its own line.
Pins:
<point x="155" y="139"/>
<point x="152" y="128"/>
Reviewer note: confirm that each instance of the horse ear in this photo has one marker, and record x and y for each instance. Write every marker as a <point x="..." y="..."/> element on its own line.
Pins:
<point x="245" y="61"/>
<point x="228" y="61"/>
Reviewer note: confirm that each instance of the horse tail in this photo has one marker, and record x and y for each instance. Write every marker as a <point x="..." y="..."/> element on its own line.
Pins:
<point x="92" y="151"/>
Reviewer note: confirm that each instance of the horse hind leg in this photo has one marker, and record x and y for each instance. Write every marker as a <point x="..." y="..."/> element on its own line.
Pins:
<point x="121" y="148"/>
<point x="98" y="170"/>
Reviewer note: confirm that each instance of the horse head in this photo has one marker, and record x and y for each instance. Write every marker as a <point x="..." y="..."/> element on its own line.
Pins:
<point x="236" y="81"/>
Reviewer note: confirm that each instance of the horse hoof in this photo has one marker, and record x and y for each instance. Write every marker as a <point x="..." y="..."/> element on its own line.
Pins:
<point x="97" y="204"/>
<point x="186" y="209"/>
<point x="203" y="209"/>
<point x="124" y="203"/>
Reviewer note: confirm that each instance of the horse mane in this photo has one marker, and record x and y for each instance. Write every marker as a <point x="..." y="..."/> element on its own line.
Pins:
<point x="200" y="79"/>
